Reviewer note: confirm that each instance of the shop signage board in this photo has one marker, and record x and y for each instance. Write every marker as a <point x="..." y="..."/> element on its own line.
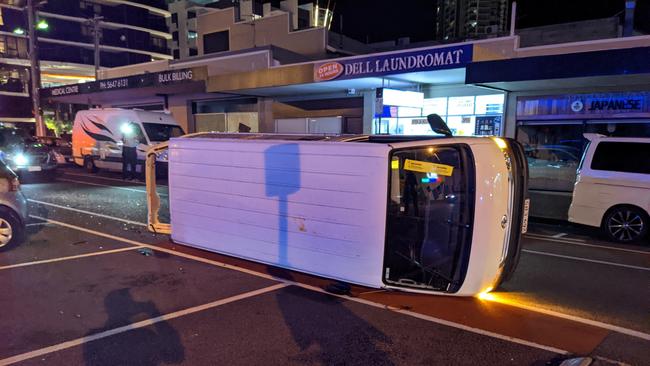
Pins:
<point x="598" y="105"/>
<point x="171" y="77"/>
<point x="488" y="126"/>
<point x="394" y="63"/>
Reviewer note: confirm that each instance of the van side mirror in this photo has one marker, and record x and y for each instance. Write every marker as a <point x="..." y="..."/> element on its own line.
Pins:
<point x="438" y="125"/>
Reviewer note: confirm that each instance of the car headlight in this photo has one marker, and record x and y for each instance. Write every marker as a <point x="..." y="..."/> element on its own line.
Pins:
<point x="21" y="159"/>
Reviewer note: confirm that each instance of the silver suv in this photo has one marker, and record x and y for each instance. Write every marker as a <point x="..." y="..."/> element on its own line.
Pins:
<point x="13" y="208"/>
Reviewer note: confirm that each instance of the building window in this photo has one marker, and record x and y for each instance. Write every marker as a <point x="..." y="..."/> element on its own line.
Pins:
<point x="175" y="36"/>
<point x="90" y="8"/>
<point x="14" y="79"/>
<point x="191" y="14"/>
<point x="194" y="52"/>
<point x="175" y="18"/>
<point x="89" y="31"/>
<point x="177" y="54"/>
<point x="258" y="7"/>
<point x="191" y="35"/>
<point x="159" y="43"/>
<point x="216" y="42"/>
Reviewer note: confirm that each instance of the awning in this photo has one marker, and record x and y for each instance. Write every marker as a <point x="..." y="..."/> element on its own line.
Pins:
<point x="154" y="85"/>
<point x="617" y="67"/>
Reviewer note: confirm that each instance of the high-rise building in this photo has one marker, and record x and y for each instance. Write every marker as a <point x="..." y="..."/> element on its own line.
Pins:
<point x="471" y="19"/>
<point x="130" y="32"/>
<point x="182" y="22"/>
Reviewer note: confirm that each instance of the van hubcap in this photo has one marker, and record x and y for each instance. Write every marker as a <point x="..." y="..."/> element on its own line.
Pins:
<point x="625" y="225"/>
<point x="6" y="232"/>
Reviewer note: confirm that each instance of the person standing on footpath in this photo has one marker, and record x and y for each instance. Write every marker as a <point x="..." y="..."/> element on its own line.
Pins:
<point x="129" y="152"/>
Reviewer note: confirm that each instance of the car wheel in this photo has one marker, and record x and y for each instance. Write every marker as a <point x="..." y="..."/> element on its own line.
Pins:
<point x="89" y="164"/>
<point x="625" y="224"/>
<point x="11" y="230"/>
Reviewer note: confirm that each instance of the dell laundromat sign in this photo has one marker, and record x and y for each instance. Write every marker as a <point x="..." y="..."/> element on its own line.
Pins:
<point x="394" y="63"/>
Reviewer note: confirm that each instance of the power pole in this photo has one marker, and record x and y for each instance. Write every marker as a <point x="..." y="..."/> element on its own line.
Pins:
<point x="95" y="23"/>
<point x="35" y="69"/>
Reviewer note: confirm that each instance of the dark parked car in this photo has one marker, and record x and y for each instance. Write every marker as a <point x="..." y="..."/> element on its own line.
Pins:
<point x="13" y="208"/>
<point x="62" y="147"/>
<point x="25" y="155"/>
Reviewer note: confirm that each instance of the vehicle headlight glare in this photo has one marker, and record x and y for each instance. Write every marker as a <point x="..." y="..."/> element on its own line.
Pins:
<point x="126" y="129"/>
<point x="21" y="159"/>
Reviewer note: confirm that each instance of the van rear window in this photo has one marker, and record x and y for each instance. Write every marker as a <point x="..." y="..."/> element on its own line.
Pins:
<point x="626" y="157"/>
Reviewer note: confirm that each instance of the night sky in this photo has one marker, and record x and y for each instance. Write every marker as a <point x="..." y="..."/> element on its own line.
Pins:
<point x="380" y="20"/>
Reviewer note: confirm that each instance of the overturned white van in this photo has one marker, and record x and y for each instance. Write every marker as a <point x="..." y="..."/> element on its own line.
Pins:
<point x="97" y="135"/>
<point x="423" y="214"/>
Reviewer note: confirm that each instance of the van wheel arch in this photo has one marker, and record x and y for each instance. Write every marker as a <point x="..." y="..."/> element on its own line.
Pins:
<point x="642" y="212"/>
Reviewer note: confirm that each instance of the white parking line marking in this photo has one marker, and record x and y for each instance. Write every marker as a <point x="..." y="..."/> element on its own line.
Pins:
<point x="102" y="177"/>
<point x="559" y="235"/>
<point x="362" y="301"/>
<point x="586" y="260"/>
<point x="137" y="325"/>
<point x="583" y="244"/>
<point x="88" y="212"/>
<point x="106" y="185"/>
<point x="61" y="259"/>
<point x="551" y="238"/>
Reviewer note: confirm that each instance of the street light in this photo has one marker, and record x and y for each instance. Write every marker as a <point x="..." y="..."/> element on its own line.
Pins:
<point x="42" y="25"/>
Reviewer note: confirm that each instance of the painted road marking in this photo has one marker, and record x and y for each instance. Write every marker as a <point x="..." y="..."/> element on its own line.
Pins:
<point x="584" y="244"/>
<point x="102" y="177"/>
<point x="379" y="305"/>
<point x="559" y="235"/>
<point x="137" y="325"/>
<point x="88" y="212"/>
<point x="595" y="323"/>
<point x="36" y="224"/>
<point x="550" y="237"/>
<point x="61" y="259"/>
<point x="586" y="260"/>
<point x="106" y="185"/>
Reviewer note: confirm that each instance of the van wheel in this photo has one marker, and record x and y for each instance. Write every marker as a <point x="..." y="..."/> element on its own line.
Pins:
<point x="89" y="164"/>
<point x="11" y="231"/>
<point x="625" y="224"/>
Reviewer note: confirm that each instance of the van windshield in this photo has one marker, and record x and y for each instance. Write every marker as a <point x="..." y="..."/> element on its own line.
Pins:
<point x="429" y="217"/>
<point x="159" y="132"/>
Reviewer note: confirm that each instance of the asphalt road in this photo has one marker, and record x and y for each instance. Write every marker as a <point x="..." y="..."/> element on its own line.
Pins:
<point x="92" y="286"/>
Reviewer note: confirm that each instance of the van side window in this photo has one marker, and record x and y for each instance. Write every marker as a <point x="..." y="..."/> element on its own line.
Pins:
<point x="627" y="157"/>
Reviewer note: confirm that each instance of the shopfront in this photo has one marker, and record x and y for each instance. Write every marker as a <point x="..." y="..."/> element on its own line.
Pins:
<point x="407" y="91"/>
<point x="551" y="129"/>
<point x="405" y="112"/>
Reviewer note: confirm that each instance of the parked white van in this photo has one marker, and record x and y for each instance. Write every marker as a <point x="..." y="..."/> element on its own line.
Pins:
<point x="612" y="190"/>
<point x="97" y="135"/>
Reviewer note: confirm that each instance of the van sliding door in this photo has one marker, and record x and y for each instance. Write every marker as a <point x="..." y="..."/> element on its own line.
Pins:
<point x="429" y="217"/>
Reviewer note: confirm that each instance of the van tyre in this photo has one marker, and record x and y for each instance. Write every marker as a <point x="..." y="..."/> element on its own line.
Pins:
<point x="89" y="164"/>
<point x="11" y="229"/>
<point x="625" y="224"/>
